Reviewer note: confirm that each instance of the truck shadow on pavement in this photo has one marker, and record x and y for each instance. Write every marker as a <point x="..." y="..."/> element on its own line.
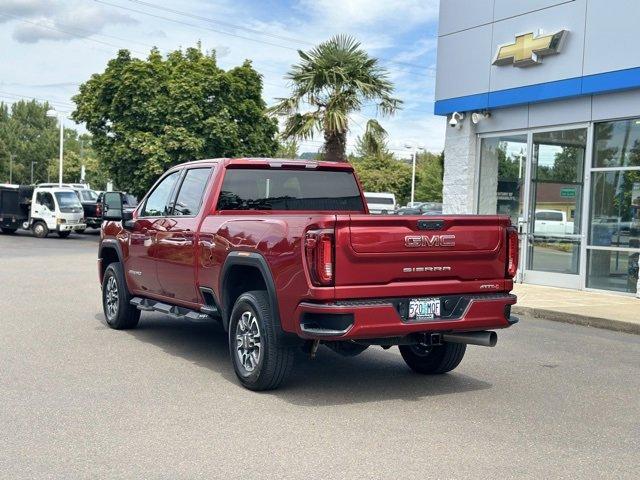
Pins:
<point x="329" y="379"/>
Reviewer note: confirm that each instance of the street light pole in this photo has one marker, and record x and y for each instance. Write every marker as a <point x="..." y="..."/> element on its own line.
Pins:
<point x="60" y="117"/>
<point x="61" y="120"/>
<point x="413" y="176"/>
<point x="414" y="157"/>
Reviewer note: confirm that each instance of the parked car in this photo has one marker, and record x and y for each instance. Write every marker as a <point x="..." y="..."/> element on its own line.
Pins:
<point x="91" y="206"/>
<point x="41" y="210"/>
<point x="553" y="223"/>
<point x="380" y="202"/>
<point x="286" y="256"/>
<point x="424" y="208"/>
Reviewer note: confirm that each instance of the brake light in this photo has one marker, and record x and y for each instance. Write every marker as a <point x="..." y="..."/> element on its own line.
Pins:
<point x="318" y="246"/>
<point x="513" y="251"/>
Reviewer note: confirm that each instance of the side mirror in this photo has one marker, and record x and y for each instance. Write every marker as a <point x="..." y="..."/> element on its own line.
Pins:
<point x="112" y="206"/>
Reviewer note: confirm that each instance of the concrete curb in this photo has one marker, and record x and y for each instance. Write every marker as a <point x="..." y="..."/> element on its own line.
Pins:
<point x="577" y="319"/>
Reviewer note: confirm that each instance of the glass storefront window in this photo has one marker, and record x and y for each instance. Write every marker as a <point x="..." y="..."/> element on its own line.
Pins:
<point x="614" y="224"/>
<point x="613" y="270"/>
<point x="502" y="170"/>
<point x="617" y="144"/>
<point x="615" y="200"/>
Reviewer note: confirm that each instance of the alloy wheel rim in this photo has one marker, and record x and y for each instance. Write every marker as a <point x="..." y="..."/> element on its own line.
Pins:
<point x="111" y="297"/>
<point x="248" y="342"/>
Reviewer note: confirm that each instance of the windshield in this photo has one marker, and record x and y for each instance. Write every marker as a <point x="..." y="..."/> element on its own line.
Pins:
<point x="67" y="199"/>
<point x="88" y="195"/>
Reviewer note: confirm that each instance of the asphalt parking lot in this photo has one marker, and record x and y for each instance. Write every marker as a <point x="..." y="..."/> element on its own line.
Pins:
<point x="78" y="400"/>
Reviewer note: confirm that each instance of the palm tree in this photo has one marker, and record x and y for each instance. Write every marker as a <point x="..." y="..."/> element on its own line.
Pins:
<point x="334" y="79"/>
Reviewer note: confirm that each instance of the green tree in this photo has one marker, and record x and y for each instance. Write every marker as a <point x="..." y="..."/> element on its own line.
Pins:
<point x="384" y="174"/>
<point x="334" y="79"/>
<point x="27" y="134"/>
<point x="148" y="115"/>
<point x="429" y="174"/>
<point x="287" y="149"/>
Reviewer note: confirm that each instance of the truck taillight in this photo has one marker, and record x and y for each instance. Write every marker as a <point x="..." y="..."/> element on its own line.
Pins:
<point x="513" y="251"/>
<point x="318" y="245"/>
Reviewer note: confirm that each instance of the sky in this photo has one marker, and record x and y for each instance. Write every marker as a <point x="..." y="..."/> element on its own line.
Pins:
<point x="49" y="47"/>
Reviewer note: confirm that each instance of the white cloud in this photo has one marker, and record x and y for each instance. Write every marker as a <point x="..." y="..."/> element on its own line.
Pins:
<point x="28" y="8"/>
<point x="63" y="21"/>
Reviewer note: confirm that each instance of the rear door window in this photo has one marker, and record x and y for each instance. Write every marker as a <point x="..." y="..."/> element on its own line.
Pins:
<point x="191" y="192"/>
<point x="267" y="189"/>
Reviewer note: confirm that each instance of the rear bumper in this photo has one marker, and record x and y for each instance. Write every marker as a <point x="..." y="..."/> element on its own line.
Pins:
<point x="381" y="318"/>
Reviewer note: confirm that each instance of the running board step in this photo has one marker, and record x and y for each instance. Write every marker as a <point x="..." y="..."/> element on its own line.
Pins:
<point x="148" y="305"/>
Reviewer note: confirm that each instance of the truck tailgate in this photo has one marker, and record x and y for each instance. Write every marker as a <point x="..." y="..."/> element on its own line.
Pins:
<point x="411" y="255"/>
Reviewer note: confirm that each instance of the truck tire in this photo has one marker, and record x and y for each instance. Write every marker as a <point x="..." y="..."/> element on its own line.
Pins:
<point x="40" y="229"/>
<point x="8" y="231"/>
<point x="64" y="234"/>
<point x="118" y="312"/>
<point x="433" y="359"/>
<point x="259" y="355"/>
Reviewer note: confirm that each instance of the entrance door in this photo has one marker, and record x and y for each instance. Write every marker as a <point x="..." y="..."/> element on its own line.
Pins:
<point x="553" y="220"/>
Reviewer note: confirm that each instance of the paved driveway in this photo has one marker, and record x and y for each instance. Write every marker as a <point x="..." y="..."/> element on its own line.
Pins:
<point x="78" y="400"/>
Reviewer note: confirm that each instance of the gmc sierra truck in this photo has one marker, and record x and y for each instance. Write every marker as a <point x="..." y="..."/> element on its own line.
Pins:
<point x="285" y="255"/>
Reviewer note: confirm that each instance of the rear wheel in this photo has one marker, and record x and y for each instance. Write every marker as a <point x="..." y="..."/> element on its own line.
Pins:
<point x="260" y="358"/>
<point x="40" y="229"/>
<point x="434" y="359"/>
<point x="119" y="313"/>
<point x="64" y="234"/>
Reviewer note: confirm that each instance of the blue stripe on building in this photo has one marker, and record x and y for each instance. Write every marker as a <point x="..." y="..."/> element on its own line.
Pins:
<point x="561" y="89"/>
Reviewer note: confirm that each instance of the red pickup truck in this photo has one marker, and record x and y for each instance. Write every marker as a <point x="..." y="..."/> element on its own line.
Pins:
<point x="285" y="255"/>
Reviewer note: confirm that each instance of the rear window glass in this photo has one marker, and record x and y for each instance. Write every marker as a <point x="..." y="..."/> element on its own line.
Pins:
<point x="265" y="189"/>
<point x="380" y="200"/>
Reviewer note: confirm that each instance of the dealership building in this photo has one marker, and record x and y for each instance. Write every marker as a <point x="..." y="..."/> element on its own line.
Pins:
<point x="542" y="103"/>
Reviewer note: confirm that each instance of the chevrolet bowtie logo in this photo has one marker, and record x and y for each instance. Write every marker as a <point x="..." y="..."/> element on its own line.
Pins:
<point x="529" y="50"/>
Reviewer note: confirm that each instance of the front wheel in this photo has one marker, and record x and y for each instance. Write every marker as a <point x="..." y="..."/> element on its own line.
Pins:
<point x="435" y="359"/>
<point x="260" y="358"/>
<point x="40" y="230"/>
<point x="120" y="314"/>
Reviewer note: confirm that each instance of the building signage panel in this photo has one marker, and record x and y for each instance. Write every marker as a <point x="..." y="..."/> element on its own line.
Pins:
<point x="529" y="50"/>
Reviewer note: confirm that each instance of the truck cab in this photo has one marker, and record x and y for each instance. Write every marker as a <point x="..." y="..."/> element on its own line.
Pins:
<point x="55" y="209"/>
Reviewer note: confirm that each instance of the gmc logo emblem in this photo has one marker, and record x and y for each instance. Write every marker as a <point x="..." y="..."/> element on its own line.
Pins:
<point x="412" y="241"/>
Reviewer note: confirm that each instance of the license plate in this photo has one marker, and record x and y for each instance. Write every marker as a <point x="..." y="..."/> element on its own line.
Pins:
<point x="424" y="309"/>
